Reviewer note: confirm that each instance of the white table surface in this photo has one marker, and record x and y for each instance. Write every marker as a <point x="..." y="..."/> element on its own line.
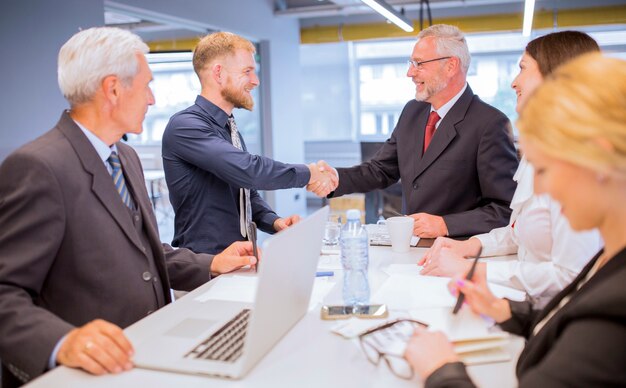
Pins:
<point x="309" y="355"/>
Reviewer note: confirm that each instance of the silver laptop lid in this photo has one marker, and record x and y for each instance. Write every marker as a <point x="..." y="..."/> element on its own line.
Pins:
<point x="286" y="278"/>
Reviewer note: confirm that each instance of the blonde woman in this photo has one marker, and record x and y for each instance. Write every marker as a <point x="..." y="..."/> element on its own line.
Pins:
<point x="573" y="131"/>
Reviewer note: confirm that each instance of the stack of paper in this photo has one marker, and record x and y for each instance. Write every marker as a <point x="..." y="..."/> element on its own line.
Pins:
<point x="472" y="335"/>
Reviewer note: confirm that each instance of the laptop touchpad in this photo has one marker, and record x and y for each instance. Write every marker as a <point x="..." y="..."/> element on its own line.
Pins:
<point x="190" y="328"/>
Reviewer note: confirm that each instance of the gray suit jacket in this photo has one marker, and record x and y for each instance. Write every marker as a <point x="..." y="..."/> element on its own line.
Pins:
<point x="466" y="175"/>
<point x="69" y="252"/>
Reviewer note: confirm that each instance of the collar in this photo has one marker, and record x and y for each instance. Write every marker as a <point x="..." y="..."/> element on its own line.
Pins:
<point x="445" y="108"/>
<point x="215" y="112"/>
<point x="103" y="150"/>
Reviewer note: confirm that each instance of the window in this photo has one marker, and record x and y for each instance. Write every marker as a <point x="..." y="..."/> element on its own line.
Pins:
<point x="175" y="87"/>
<point x="356" y="91"/>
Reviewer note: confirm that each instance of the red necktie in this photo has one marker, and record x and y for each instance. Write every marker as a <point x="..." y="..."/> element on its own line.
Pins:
<point x="433" y="118"/>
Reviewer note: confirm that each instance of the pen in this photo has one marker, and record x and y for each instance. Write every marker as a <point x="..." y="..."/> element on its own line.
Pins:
<point x="255" y="250"/>
<point x="324" y="273"/>
<point x="470" y="274"/>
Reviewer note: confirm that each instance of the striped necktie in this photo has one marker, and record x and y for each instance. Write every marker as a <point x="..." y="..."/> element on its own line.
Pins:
<point x="245" y="207"/>
<point x="118" y="179"/>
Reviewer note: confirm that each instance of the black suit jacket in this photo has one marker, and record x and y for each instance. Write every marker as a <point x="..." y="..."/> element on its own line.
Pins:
<point x="466" y="175"/>
<point x="69" y="251"/>
<point x="582" y="345"/>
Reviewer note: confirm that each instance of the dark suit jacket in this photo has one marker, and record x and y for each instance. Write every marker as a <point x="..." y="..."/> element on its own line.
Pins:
<point x="466" y="175"/>
<point x="69" y="251"/>
<point x="582" y="345"/>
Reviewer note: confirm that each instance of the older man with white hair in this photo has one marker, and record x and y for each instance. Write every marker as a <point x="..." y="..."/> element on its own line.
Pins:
<point x="80" y="256"/>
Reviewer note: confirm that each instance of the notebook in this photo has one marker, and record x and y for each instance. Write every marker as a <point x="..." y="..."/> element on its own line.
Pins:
<point x="225" y="338"/>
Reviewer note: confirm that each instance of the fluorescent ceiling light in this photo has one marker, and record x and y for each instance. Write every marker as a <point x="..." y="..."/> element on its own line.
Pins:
<point x="529" y="10"/>
<point x="390" y="14"/>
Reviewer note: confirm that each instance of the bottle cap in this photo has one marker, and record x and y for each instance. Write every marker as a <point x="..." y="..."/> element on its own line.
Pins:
<point x="353" y="214"/>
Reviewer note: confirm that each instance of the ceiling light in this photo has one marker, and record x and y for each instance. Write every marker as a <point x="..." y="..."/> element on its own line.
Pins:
<point x="529" y="10"/>
<point x="390" y="14"/>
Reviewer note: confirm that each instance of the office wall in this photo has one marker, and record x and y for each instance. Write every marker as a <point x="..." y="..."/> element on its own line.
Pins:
<point x="254" y="19"/>
<point x="31" y="34"/>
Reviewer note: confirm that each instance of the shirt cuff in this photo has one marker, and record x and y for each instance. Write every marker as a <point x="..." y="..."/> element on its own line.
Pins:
<point x="52" y="362"/>
<point x="303" y="175"/>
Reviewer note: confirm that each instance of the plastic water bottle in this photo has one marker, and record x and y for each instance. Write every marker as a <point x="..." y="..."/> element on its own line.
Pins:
<point x="354" y="259"/>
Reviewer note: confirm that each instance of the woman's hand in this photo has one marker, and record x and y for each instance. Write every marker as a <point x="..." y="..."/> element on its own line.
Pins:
<point x="480" y="299"/>
<point x="427" y="351"/>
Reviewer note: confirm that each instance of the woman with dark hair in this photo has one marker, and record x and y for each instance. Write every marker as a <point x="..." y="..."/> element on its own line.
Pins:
<point x="550" y="254"/>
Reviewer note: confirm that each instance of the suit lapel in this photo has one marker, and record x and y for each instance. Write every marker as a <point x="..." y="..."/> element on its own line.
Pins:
<point x="102" y="183"/>
<point x="418" y="140"/>
<point x="135" y="180"/>
<point x="445" y="133"/>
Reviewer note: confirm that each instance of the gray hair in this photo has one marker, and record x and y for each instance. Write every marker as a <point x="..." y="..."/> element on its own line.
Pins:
<point x="449" y="41"/>
<point x="93" y="54"/>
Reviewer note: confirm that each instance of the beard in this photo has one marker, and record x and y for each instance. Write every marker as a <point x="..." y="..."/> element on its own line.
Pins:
<point x="431" y="88"/>
<point x="238" y="97"/>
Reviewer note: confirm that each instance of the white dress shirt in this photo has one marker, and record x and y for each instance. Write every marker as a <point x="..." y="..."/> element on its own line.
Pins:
<point x="550" y="254"/>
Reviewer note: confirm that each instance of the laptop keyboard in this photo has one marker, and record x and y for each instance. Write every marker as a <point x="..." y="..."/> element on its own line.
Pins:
<point x="226" y="344"/>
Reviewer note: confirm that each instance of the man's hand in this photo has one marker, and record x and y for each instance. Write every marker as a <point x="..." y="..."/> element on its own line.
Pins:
<point x="237" y="255"/>
<point x="284" y="223"/>
<point x="324" y="179"/>
<point x="98" y="347"/>
<point x="428" y="226"/>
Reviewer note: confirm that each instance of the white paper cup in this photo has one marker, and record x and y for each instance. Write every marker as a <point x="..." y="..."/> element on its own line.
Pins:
<point x="400" y="233"/>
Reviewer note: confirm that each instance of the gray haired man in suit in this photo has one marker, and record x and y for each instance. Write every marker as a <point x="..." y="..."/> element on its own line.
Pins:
<point x="80" y="255"/>
<point x="453" y="153"/>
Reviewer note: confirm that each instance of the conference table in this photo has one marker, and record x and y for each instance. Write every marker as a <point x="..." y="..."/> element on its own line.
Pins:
<point x="310" y="355"/>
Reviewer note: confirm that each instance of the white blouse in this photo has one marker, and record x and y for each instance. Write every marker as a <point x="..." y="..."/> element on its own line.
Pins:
<point x="550" y="254"/>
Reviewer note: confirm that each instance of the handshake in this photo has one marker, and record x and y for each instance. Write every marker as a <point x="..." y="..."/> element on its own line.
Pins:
<point x="324" y="179"/>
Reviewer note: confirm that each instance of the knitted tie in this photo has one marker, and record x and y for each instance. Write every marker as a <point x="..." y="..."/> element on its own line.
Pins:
<point x="433" y="118"/>
<point x="118" y="179"/>
<point x="245" y="208"/>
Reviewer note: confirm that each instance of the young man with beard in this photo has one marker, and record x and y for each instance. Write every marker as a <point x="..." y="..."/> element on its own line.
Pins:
<point x="212" y="179"/>
<point x="453" y="153"/>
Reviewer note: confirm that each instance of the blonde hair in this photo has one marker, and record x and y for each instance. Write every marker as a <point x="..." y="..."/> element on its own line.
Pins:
<point x="93" y="54"/>
<point x="449" y="41"/>
<point x="579" y="114"/>
<point x="218" y="45"/>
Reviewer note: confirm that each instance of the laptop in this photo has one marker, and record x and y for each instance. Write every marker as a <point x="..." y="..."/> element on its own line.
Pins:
<point x="225" y="338"/>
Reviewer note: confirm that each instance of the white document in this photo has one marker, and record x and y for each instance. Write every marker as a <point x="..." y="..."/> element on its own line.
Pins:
<point x="329" y="262"/>
<point x="233" y="288"/>
<point x="405" y="289"/>
<point x="321" y="288"/>
<point x="243" y="289"/>
<point x="401" y="292"/>
<point x="403" y="270"/>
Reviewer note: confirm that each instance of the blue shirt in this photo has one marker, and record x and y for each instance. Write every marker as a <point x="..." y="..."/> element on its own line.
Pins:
<point x="204" y="173"/>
